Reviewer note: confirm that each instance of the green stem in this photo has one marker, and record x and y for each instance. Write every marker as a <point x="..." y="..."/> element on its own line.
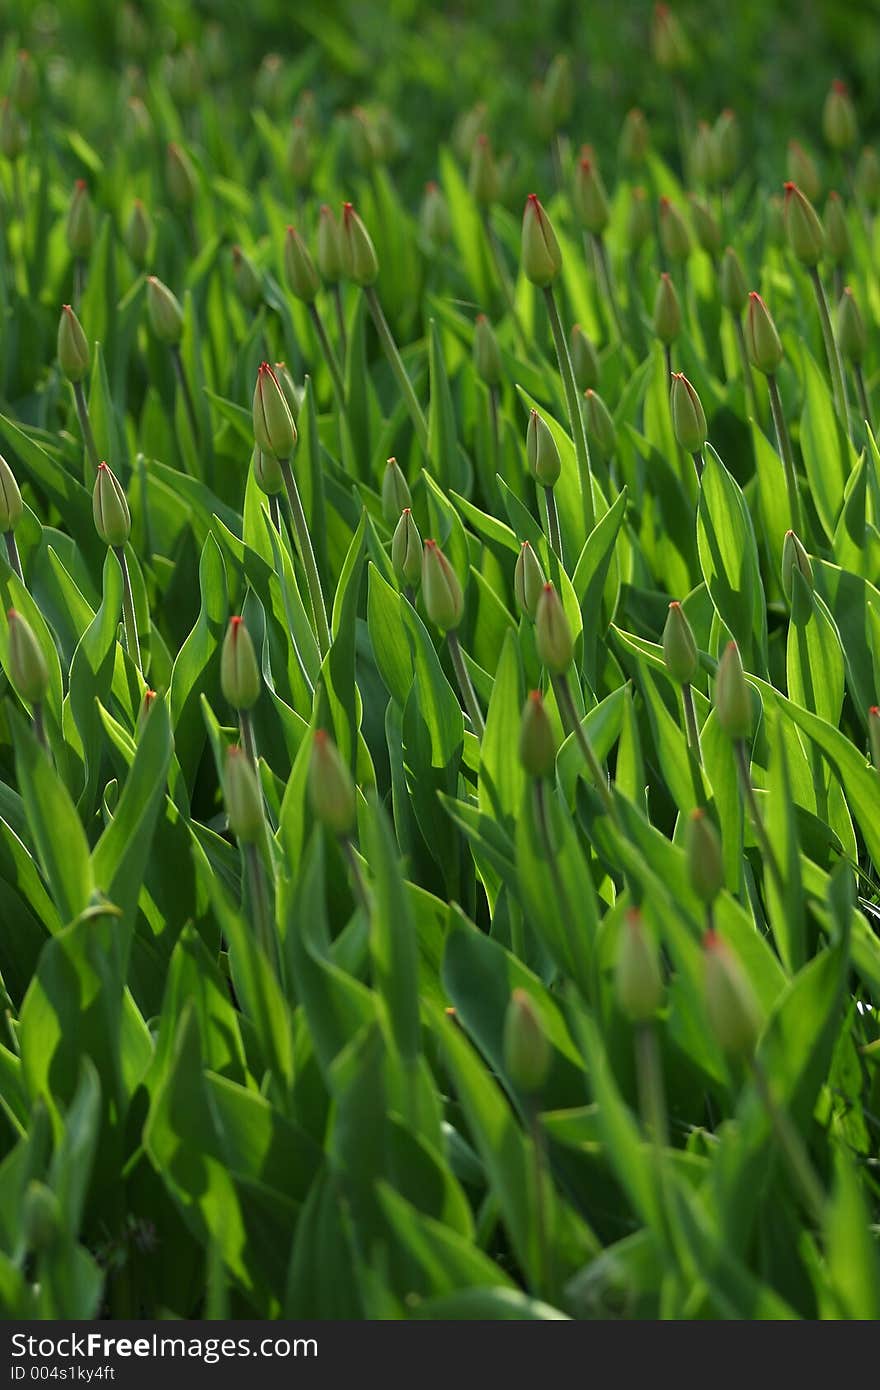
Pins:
<point x="340" y="319"/>
<point x="543" y="1283"/>
<point x="360" y="888"/>
<point x="260" y="899"/>
<point x="652" y="1096"/>
<point x="697" y="457"/>
<point x="835" y="368"/>
<point x="575" y="416"/>
<point x="189" y="405"/>
<point x="307" y="555"/>
<point x="40" y="726"/>
<point x="329" y="355"/>
<point x="570" y="718"/>
<point x="748" y="791"/>
<point x="85" y="425"/>
<point x="554" y="532"/>
<point x="606" y="279"/>
<point x="129" y="619"/>
<point x="248" y="741"/>
<point x="275" y="511"/>
<point x="784" y="441"/>
<point x="690" y="721"/>
<point x="503" y="278"/>
<point x="395" y="361"/>
<point x="495" y="432"/>
<point x="14" y="557"/>
<point x="746" y="367"/>
<point x="862" y="394"/>
<point x="792" y="1146"/>
<point x="465" y="685"/>
<point x="579" y="964"/>
<point x="79" y="280"/>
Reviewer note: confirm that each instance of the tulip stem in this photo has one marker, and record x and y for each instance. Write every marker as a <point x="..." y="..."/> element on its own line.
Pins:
<point x="307" y="555"/>
<point x="180" y="372"/>
<point x="838" y="383"/>
<point x="360" y="888"/>
<point x="652" y="1098"/>
<point x="690" y="721"/>
<point x="275" y="511"/>
<point x="748" y="791"/>
<point x="79" y="280"/>
<point x="395" y="361"/>
<point x="129" y="621"/>
<point x="575" y="415"/>
<point x="667" y="357"/>
<point x="606" y="280"/>
<point x="543" y="1282"/>
<point x="14" y="557"/>
<point x="503" y="278"/>
<point x="697" y="457"/>
<point x="340" y="320"/>
<point x="248" y="741"/>
<point x="493" y="420"/>
<point x="784" y="441"/>
<point x="260" y="901"/>
<point x="329" y="355"/>
<point x="85" y="425"/>
<point x="465" y="685"/>
<point x="573" y="724"/>
<point x="40" y="725"/>
<point x="554" y="532"/>
<point x="862" y="394"/>
<point x="746" y="367"/>
<point x="792" y="1146"/>
<point x="578" y="964"/>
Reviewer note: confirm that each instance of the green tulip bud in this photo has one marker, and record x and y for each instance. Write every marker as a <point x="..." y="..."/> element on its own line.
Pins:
<point x="468" y="126"/>
<point x="590" y="198"/>
<point x="584" y="360"/>
<point x="434" y="218"/>
<point x="836" y="229"/>
<point x="441" y="590"/>
<point x="679" y="646"/>
<point x="274" y="430"/>
<point x="733" y="700"/>
<point x="542" y="454"/>
<point x="301" y="273"/>
<point x="180" y="177"/>
<point x="165" y="313"/>
<point x="528" y="581"/>
<point x="332" y="792"/>
<point x="147" y="703"/>
<point x="553" y="639"/>
<point x="487" y="354"/>
<point x="874" y="734"/>
<point x="705" y="858"/>
<point x="292" y="393"/>
<point x="669" y="43"/>
<point x="706" y="227"/>
<point x="11" y="505"/>
<point x="704" y="155"/>
<point x="762" y="340"/>
<point x="41" y="1218"/>
<point x="483" y="179"/>
<point x="727" y="145"/>
<point x="794" y="557"/>
<point x="559" y="90"/>
<point x="13" y="132"/>
<point x="635" y="137"/>
<point x="802" y="227"/>
<point x="329" y="246"/>
<point x="239" y="674"/>
<point x="600" y="425"/>
<point x="638" y="977"/>
<point x="80" y="222"/>
<point x="667" y="311"/>
<point x="138" y="234"/>
<point x="803" y="170"/>
<point x="24" y="88"/>
<point x="406" y="550"/>
<point x="396" y="496"/>
<point x="138" y="128"/>
<point x="674" y="235"/>
<point x="363" y="139"/>
<point x="527" y="1055"/>
<point x="267" y="472"/>
<point x="852" y="336"/>
<point x="358" y="252"/>
<point x="109" y="507"/>
<point x="244" y="799"/>
<point x="733" y="286"/>
<point x="247" y="279"/>
<point x="299" y="153"/>
<point x="839" y="124"/>
<point x="868" y="178"/>
<point x="731" y="1006"/>
<point x="269" y="84"/>
<point x="541" y="256"/>
<point x="537" y="742"/>
<point x="775" y="222"/>
<point x="27" y="665"/>
<point x="638" y="223"/>
<point x="73" y="348"/>
<point x="688" y="419"/>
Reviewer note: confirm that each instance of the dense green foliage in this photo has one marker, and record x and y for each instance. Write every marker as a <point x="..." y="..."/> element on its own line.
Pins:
<point x="436" y="942"/>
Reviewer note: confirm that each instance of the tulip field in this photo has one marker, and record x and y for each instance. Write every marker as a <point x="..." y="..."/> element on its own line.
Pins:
<point x="439" y="663"/>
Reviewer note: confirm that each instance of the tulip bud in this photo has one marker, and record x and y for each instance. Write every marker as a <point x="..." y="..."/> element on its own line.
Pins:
<point x="669" y="44"/>
<point x="109" y="507"/>
<point x="727" y="145"/>
<point x="731" y="1005"/>
<point x="559" y="90"/>
<point x="762" y="339"/>
<point x="73" y="348"/>
<point x="24" y="88"/>
<point x="406" y="550"/>
<point x="674" y="235"/>
<point x="267" y="472"/>
<point x="180" y="177"/>
<point x="688" y="419"/>
<point x="802" y="226"/>
<point x="584" y="361"/>
<point x="527" y="1054"/>
<point x="541" y="256"/>
<point x="247" y="279"/>
<point x="635" y="137"/>
<point x="301" y="273"/>
<point x="537" y="742"/>
<point x="41" y="1218"/>
<point x="138" y="234"/>
<point x="638" y="223"/>
<point x="165" y="313"/>
<point x="358" y="252"/>
<point x="528" y="581"/>
<point x="292" y="394"/>
<point x="541" y="451"/>
<point x="803" y="171"/>
<point x="138" y="121"/>
<point x="147" y="703"/>
<point x="469" y="125"/>
<point x="667" y="310"/>
<point x="244" y="800"/>
<point x="299" y="154"/>
<point x="638" y="977"/>
<point x="775" y="222"/>
<point x="11" y="505"/>
<point x="851" y="334"/>
<point x="306" y="110"/>
<point x="329" y="246"/>
<point x="80" y="222"/>
<point x="239" y="675"/>
<point x="483" y="179"/>
<point x="679" y="646"/>
<point x="706" y="227"/>
<point x="794" y="557"/>
<point x="704" y="155"/>
<point x="395" y="492"/>
<point x="13" y="132"/>
<point x="27" y="665"/>
<point x="868" y="178"/>
<point x="487" y="354"/>
<point x="733" y="286"/>
<point x="874" y="734"/>
<point x="705" y="858"/>
<point x="590" y="198"/>
<point x="733" y="700"/>
<point x="600" y="425"/>
<point x="839" y="124"/>
<point x="331" y="790"/>
<point x="836" y="229"/>
<point x="269" y="84"/>
<point x="434" y="218"/>
<point x="553" y="639"/>
<point x="362" y="138"/>
<point x="441" y="590"/>
<point x="274" y="429"/>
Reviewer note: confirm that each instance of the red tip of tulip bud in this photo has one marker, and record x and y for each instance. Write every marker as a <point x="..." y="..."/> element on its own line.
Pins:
<point x="81" y="184"/>
<point x="840" y="87"/>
